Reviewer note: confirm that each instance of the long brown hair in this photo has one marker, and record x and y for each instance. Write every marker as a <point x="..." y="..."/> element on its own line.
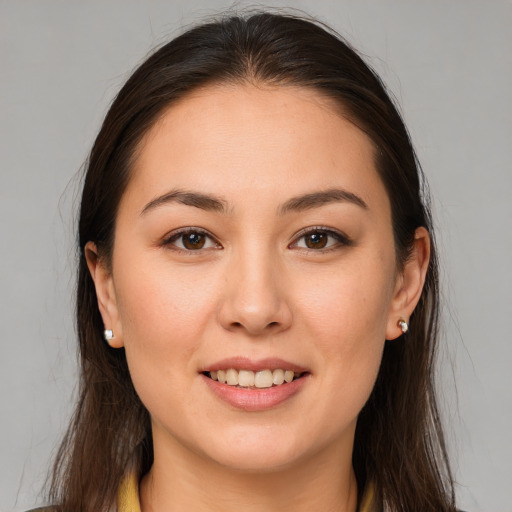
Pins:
<point x="399" y="444"/>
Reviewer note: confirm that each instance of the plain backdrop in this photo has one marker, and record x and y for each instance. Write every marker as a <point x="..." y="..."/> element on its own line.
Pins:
<point x="449" y="65"/>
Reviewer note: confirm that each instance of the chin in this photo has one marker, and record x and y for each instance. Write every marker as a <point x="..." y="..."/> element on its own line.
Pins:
<point x="258" y="462"/>
<point x="256" y="453"/>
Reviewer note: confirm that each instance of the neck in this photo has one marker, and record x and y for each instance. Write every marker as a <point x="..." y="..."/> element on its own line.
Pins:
<point x="182" y="480"/>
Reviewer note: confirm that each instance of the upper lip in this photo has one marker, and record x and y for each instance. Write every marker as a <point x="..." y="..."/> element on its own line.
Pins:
<point x="255" y="365"/>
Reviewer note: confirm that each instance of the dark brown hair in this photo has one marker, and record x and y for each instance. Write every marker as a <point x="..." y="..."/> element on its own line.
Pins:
<point x="399" y="444"/>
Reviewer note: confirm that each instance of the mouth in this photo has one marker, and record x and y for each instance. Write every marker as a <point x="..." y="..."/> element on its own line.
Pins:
<point x="255" y="385"/>
<point x="248" y="379"/>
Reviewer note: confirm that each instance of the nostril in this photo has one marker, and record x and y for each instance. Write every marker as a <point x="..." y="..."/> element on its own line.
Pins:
<point x="241" y="324"/>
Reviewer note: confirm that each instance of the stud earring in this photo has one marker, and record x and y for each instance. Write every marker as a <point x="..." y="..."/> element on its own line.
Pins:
<point x="108" y="334"/>
<point x="403" y="325"/>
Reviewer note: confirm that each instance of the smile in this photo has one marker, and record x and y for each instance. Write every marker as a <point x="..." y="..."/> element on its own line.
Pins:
<point x="250" y="379"/>
<point x="255" y="385"/>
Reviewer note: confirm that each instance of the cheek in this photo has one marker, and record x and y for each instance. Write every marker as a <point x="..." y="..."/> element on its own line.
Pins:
<point x="160" y="301"/>
<point x="348" y="310"/>
<point x="346" y="314"/>
<point x="163" y="314"/>
<point x="349" y="348"/>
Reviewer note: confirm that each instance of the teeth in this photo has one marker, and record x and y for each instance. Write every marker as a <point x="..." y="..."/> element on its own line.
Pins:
<point x="288" y="376"/>
<point x="263" y="379"/>
<point x="232" y="377"/>
<point x="278" y="377"/>
<point x="248" y="379"/>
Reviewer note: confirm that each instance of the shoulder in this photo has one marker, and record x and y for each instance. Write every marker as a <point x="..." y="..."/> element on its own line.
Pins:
<point x="43" y="509"/>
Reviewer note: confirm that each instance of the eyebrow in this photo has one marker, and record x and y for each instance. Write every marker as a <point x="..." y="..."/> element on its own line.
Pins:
<point x="216" y="204"/>
<point x="199" y="200"/>
<point x="317" y="199"/>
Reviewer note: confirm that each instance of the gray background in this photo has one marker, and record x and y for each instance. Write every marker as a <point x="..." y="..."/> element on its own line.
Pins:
<point x="449" y="65"/>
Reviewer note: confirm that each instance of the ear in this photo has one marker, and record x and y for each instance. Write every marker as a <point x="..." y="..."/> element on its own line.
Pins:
<point x="409" y="284"/>
<point x="105" y="293"/>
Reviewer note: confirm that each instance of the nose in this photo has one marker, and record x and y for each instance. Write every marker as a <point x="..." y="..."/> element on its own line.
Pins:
<point x="254" y="298"/>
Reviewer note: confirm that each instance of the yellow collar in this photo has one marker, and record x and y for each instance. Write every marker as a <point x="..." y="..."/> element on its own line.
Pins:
<point x="128" y="495"/>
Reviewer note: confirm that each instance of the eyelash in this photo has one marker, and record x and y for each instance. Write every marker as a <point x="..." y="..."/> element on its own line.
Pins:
<point x="341" y="239"/>
<point x="176" y="235"/>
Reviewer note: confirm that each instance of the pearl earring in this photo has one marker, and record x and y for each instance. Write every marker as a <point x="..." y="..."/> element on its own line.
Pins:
<point x="403" y="325"/>
<point x="108" y="334"/>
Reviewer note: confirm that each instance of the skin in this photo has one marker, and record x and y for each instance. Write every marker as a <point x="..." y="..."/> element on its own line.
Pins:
<point x="254" y="290"/>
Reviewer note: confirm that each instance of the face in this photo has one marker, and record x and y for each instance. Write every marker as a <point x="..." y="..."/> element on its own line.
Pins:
<point x="254" y="241"/>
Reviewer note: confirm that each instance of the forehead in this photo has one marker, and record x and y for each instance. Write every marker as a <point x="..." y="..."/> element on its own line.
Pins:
<point x="245" y="142"/>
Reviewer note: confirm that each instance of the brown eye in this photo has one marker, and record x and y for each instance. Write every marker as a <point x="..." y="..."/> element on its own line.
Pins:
<point x="193" y="241"/>
<point x="316" y="240"/>
<point x="320" y="239"/>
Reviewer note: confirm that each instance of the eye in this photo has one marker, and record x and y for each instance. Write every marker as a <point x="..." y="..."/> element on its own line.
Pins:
<point x="191" y="239"/>
<point x="320" y="238"/>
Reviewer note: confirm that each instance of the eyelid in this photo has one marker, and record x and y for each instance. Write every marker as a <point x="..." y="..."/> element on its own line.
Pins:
<point x="342" y="238"/>
<point x="175" y="234"/>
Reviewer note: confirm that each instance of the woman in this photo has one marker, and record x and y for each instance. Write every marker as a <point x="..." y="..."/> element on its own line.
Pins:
<point x="257" y="253"/>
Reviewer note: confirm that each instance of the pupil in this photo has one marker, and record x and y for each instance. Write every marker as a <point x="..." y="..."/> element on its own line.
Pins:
<point x="316" y="240"/>
<point x="193" y="241"/>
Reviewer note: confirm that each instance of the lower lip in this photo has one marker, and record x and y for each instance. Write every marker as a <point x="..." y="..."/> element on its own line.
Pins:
<point x="255" y="399"/>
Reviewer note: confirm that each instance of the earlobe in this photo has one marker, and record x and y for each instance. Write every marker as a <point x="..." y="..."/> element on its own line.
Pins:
<point x="105" y="293"/>
<point x="409" y="285"/>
